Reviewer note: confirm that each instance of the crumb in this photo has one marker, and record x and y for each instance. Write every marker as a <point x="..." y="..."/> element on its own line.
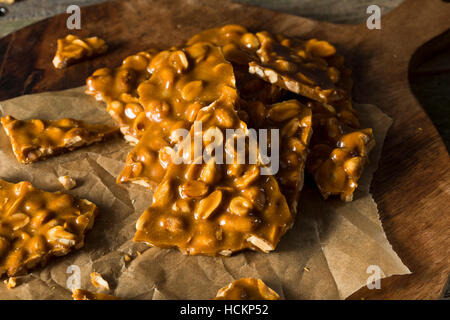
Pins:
<point x="306" y="269"/>
<point x="139" y="253"/>
<point x="98" y="281"/>
<point x="133" y="201"/>
<point x="127" y="258"/>
<point x="67" y="182"/>
<point x="11" y="282"/>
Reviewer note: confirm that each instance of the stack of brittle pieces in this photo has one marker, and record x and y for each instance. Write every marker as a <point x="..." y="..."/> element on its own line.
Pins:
<point x="173" y="103"/>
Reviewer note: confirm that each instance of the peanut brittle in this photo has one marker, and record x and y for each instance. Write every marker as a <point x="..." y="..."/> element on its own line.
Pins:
<point x="247" y="289"/>
<point x="81" y="294"/>
<point x="297" y="66"/>
<point x="35" y="139"/>
<point x="337" y="168"/>
<point x="212" y="208"/>
<point x="338" y="150"/>
<point x="182" y="82"/>
<point x="239" y="47"/>
<point x="98" y="281"/>
<point x="145" y="164"/>
<point x="314" y="70"/>
<point x="118" y="88"/>
<point x="324" y="54"/>
<point x="72" y="49"/>
<point x="36" y="225"/>
<point x="283" y="66"/>
<point x="293" y="120"/>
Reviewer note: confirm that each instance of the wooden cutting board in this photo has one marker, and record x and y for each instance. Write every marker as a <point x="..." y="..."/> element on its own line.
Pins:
<point x="412" y="184"/>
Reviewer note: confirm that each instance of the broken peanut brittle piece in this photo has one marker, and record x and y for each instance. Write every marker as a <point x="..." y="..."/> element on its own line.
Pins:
<point x="81" y="294"/>
<point x="239" y="47"/>
<point x="247" y="289"/>
<point x="36" y="225"/>
<point x="284" y="67"/>
<point x="73" y="49"/>
<point x="98" y="281"/>
<point x="67" y="182"/>
<point x="210" y="208"/>
<point x="145" y="165"/>
<point x="292" y="120"/>
<point x="182" y="82"/>
<point x="11" y="283"/>
<point x="337" y="169"/>
<point x="118" y="89"/>
<point x="36" y="139"/>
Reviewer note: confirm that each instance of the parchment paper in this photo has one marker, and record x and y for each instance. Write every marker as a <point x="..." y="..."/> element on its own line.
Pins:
<point x="325" y="256"/>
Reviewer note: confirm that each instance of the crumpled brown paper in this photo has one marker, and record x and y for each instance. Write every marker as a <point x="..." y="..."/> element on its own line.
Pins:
<point x="325" y="256"/>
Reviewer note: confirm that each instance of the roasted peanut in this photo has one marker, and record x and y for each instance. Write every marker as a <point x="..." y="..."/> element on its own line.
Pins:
<point x="193" y="189"/>
<point x="240" y="206"/>
<point x="207" y="205"/>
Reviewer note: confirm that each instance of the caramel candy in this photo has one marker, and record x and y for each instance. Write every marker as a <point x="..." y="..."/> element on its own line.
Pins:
<point x="239" y="47"/>
<point x="80" y="294"/>
<point x="67" y="182"/>
<point x="205" y="207"/>
<point x="338" y="150"/>
<point x="11" y="283"/>
<point x="247" y="289"/>
<point x="293" y="120"/>
<point x="36" y="225"/>
<point x="302" y="67"/>
<point x="35" y="139"/>
<point x="337" y="169"/>
<point x="284" y="67"/>
<point x="182" y="82"/>
<point x="143" y="165"/>
<point x="72" y="49"/>
<point x="98" y="281"/>
<point x="118" y="88"/>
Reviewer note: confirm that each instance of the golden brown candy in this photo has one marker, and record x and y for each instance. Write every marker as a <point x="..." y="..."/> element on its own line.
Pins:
<point x="211" y="208"/>
<point x="182" y="82"/>
<point x="72" y="49"/>
<point x="143" y="164"/>
<point x="239" y="47"/>
<point x="293" y="120"/>
<point x="36" y="225"/>
<point x="331" y="122"/>
<point x="98" y="281"/>
<point x="284" y="67"/>
<point x="247" y="289"/>
<point x="337" y="168"/>
<point x="118" y="88"/>
<point x="81" y="294"/>
<point x="36" y="139"/>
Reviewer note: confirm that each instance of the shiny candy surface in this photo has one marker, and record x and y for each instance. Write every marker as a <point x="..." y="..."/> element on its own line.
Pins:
<point x="36" y="225"/>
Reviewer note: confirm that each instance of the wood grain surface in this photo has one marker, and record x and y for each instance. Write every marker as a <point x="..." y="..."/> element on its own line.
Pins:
<point x="412" y="184"/>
